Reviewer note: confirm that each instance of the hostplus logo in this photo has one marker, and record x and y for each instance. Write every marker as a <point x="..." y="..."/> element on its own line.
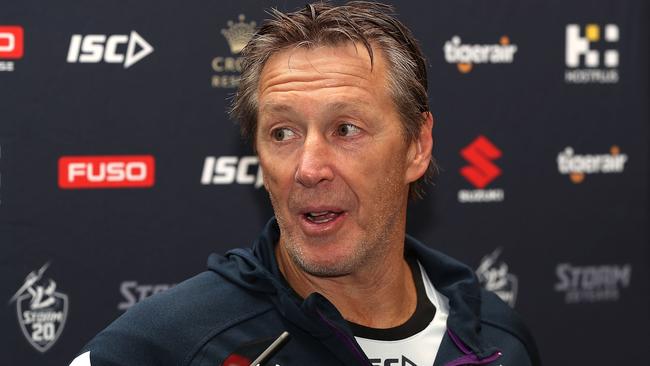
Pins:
<point x="494" y="276"/>
<point x="232" y="170"/>
<point x="125" y="49"/>
<point x="481" y="171"/>
<point x="465" y="56"/>
<point x="41" y="309"/>
<point x="591" y="55"/>
<point x="11" y="46"/>
<point x="228" y="68"/>
<point x="577" y="166"/>
<point x="596" y="283"/>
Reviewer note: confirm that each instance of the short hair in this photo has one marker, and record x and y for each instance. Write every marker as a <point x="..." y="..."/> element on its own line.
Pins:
<point x="322" y="24"/>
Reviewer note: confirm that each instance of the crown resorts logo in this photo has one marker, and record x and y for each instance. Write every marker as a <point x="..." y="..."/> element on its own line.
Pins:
<point x="481" y="171"/>
<point x="465" y="56"/>
<point x="578" y="166"/>
<point x="228" y="68"/>
<point x="42" y="311"/>
<point x="584" y="62"/>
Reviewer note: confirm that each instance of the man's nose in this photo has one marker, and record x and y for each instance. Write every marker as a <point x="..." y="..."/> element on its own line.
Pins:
<point x="315" y="164"/>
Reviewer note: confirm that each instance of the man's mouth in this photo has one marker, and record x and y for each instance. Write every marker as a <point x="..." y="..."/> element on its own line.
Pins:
<point x="322" y="217"/>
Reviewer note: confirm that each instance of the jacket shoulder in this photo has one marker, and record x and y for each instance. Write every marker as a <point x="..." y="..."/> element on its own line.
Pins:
<point x="169" y="327"/>
<point x="497" y="314"/>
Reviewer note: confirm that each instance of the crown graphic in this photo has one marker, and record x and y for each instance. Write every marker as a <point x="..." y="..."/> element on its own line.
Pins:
<point x="238" y="34"/>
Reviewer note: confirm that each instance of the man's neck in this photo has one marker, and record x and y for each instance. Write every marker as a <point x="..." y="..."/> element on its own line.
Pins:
<point x="379" y="295"/>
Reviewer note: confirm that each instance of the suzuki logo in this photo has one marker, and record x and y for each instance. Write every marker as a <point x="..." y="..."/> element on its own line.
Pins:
<point x="93" y="48"/>
<point x="480" y="154"/>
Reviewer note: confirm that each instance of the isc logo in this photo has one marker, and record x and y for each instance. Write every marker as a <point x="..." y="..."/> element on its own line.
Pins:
<point x="232" y="169"/>
<point x="117" y="171"/>
<point x="94" y="48"/>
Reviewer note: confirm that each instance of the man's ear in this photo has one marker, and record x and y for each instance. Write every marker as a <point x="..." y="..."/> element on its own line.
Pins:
<point x="419" y="154"/>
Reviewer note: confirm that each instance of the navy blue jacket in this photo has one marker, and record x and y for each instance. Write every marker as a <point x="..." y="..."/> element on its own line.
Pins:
<point x="233" y="311"/>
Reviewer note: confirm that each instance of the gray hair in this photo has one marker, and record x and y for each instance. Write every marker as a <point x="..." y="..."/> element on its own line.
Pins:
<point x="367" y="23"/>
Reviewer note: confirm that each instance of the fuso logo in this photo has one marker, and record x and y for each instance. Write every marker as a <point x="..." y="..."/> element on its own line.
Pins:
<point x="94" y="48"/>
<point x="480" y="154"/>
<point x="11" y="42"/>
<point x="119" y="171"/>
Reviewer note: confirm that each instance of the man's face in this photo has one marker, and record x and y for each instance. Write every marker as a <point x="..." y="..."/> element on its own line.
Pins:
<point x="335" y="161"/>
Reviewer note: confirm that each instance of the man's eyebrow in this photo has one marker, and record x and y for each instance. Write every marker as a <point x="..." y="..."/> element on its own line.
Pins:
<point x="353" y="107"/>
<point x="276" y="108"/>
<point x="350" y="107"/>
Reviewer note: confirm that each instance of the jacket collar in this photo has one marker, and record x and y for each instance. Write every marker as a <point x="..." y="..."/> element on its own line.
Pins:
<point x="257" y="269"/>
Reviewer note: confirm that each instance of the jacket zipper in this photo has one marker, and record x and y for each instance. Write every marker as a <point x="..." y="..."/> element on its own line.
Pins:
<point x="469" y="358"/>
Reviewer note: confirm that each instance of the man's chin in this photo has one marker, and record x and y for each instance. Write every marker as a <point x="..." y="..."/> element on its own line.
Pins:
<point x="324" y="269"/>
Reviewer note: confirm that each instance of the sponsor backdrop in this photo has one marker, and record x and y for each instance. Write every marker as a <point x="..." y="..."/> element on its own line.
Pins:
<point x="120" y="170"/>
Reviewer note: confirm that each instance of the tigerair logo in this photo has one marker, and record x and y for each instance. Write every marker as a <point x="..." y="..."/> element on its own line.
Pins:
<point x="465" y="56"/>
<point x="228" y="68"/>
<point x="481" y="171"/>
<point x="577" y="166"/>
<point x="588" y="49"/>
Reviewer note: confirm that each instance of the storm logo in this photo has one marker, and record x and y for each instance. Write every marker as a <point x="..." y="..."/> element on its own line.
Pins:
<point x="41" y="310"/>
<point x="493" y="276"/>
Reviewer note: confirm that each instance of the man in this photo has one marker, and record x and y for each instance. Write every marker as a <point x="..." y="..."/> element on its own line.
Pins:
<point x="334" y="99"/>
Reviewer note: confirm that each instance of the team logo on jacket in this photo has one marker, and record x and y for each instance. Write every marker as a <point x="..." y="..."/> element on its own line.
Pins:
<point x="41" y="309"/>
<point x="493" y="276"/>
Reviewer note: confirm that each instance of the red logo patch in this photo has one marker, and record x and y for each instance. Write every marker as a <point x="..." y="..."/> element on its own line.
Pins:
<point x="11" y="42"/>
<point x="117" y="171"/>
<point x="480" y="154"/>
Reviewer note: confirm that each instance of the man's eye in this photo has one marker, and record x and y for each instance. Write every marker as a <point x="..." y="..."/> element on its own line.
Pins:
<point x="282" y="134"/>
<point x="347" y="129"/>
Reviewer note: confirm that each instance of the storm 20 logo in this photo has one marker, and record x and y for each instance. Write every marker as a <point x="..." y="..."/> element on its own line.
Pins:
<point x="94" y="48"/>
<point x="481" y="171"/>
<point x="41" y="309"/>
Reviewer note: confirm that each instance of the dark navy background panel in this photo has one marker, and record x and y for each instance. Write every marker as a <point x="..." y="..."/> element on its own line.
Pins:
<point x="120" y="170"/>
